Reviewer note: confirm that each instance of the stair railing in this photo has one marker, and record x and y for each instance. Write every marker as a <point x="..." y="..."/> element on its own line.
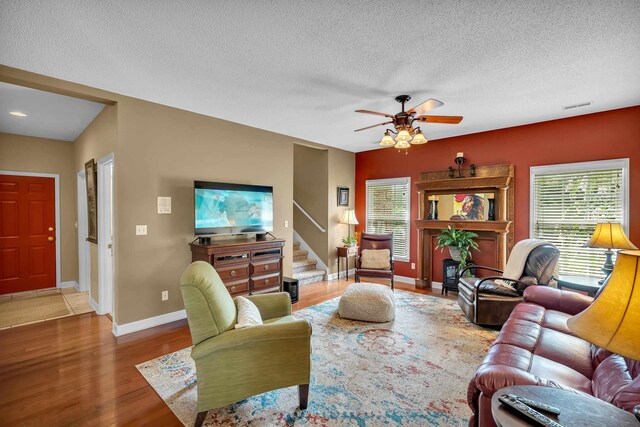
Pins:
<point x="313" y="221"/>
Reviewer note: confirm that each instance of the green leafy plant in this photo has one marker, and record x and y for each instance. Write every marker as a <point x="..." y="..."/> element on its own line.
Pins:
<point x="351" y="240"/>
<point x="461" y="239"/>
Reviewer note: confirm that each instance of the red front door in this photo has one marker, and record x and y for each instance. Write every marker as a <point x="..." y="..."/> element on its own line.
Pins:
<point x="27" y="233"/>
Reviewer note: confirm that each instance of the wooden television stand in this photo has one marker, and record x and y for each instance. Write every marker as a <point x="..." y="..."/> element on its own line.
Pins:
<point x="247" y="267"/>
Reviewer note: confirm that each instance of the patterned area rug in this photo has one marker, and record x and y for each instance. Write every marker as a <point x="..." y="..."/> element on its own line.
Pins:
<point x="412" y="371"/>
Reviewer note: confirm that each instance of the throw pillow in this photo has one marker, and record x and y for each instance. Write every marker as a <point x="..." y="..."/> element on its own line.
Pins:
<point x="248" y="313"/>
<point x="375" y="259"/>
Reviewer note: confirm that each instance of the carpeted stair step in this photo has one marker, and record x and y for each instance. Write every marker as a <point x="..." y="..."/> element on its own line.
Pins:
<point x="299" y="255"/>
<point x="296" y="246"/>
<point x="304" y="265"/>
<point x="309" y="276"/>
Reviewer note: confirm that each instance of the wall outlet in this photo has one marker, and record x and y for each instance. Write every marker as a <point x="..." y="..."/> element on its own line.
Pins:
<point x="165" y="295"/>
<point x="413" y="265"/>
<point x="141" y="230"/>
<point x="286" y="224"/>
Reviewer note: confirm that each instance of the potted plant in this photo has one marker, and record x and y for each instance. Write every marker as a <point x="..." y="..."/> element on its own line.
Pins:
<point x="459" y="242"/>
<point x="350" y="241"/>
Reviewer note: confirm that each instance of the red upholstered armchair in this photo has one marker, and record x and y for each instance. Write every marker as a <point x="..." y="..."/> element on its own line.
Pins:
<point x="375" y="242"/>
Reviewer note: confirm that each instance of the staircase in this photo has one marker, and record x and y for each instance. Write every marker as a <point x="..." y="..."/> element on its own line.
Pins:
<point x="304" y="269"/>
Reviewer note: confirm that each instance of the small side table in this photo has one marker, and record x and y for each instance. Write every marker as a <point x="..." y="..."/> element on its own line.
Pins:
<point x="576" y="409"/>
<point x="346" y="253"/>
<point x="589" y="285"/>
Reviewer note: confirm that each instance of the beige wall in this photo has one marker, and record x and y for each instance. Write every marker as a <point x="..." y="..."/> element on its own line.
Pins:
<point x="310" y="183"/>
<point x="96" y="141"/>
<point x="29" y="154"/>
<point x="160" y="151"/>
<point x="342" y="170"/>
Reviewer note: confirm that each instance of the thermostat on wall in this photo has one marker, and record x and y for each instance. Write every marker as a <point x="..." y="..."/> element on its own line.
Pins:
<point x="164" y="205"/>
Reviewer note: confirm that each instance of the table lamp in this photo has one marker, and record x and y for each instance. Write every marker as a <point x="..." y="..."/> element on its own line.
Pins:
<point x="349" y="217"/>
<point x="612" y="321"/>
<point x="609" y="235"/>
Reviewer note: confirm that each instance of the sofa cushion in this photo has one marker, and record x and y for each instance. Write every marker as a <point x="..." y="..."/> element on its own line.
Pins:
<point x="616" y="381"/>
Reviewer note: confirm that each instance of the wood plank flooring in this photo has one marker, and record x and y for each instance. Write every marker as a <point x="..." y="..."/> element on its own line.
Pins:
<point x="74" y="372"/>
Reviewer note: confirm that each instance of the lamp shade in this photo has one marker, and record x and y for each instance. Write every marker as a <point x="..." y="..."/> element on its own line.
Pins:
<point x="612" y="321"/>
<point x="387" y="140"/>
<point x="403" y="136"/>
<point x="419" y="139"/>
<point x="402" y="144"/>
<point x="349" y="217"/>
<point x="609" y="235"/>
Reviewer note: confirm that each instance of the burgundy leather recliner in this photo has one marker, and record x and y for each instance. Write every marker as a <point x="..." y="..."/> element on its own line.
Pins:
<point x="535" y="347"/>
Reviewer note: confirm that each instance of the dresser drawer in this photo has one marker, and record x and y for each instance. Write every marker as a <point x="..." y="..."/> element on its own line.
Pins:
<point x="239" y="287"/>
<point x="265" y="267"/>
<point x="266" y="253"/>
<point x="227" y="258"/>
<point x="264" y="282"/>
<point x="233" y="272"/>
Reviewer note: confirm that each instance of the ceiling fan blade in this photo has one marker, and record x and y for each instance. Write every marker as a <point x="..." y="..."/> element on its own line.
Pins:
<point x="374" y="113"/>
<point x="426" y="106"/>
<point x="450" y="120"/>
<point x="372" y="126"/>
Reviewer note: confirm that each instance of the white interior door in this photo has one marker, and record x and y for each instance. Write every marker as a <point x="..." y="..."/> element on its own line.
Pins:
<point x="84" y="261"/>
<point x="105" y="234"/>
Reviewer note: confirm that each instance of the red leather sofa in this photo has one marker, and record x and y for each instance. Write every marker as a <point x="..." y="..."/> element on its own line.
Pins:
<point x="535" y="347"/>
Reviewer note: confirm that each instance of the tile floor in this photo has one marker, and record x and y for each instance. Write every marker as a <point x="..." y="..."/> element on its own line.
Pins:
<point x="77" y="302"/>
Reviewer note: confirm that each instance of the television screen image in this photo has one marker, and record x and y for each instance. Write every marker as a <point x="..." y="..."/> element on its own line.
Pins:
<point x="232" y="208"/>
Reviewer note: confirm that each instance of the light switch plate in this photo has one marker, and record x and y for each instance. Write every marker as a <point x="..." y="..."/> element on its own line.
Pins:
<point x="413" y="265"/>
<point x="165" y="295"/>
<point x="164" y="205"/>
<point x="286" y="224"/>
<point x="141" y="230"/>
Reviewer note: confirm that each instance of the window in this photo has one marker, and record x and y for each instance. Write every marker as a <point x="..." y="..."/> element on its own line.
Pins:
<point x="388" y="211"/>
<point x="568" y="200"/>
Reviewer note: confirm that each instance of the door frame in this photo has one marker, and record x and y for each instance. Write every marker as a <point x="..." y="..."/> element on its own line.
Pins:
<point x="106" y="290"/>
<point x="56" y="190"/>
<point x="84" y="256"/>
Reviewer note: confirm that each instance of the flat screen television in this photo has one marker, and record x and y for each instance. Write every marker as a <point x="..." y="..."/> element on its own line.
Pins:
<point x="222" y="208"/>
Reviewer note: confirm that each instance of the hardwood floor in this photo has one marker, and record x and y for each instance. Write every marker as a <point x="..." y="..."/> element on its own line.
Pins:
<point x="73" y="371"/>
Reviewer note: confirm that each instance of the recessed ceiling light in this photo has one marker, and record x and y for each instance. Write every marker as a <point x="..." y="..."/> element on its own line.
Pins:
<point x="17" y="114"/>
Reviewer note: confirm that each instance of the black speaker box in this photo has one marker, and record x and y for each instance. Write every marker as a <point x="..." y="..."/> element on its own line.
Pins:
<point x="291" y="286"/>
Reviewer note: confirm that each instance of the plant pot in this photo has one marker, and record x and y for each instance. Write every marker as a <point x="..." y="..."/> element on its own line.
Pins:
<point x="454" y="252"/>
<point x="350" y="245"/>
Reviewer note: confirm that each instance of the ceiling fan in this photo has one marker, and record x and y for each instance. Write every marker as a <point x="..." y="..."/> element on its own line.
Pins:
<point x="406" y="134"/>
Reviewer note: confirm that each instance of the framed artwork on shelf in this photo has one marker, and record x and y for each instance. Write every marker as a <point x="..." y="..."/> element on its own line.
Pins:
<point x="91" y="178"/>
<point x="343" y="196"/>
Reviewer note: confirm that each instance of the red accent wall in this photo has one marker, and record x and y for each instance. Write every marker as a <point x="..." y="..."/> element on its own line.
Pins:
<point x="599" y="136"/>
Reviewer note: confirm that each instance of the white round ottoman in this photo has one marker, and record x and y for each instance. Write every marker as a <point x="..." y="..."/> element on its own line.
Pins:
<point x="369" y="302"/>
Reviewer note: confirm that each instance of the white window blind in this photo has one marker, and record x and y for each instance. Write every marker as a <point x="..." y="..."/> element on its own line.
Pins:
<point x="388" y="212"/>
<point x="567" y="204"/>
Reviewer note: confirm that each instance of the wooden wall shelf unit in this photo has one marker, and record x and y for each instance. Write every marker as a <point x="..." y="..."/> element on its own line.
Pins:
<point x="247" y="267"/>
<point x="496" y="179"/>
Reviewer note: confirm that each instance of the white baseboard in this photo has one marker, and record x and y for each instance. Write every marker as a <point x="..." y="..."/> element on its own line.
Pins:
<point x="139" y="325"/>
<point x="404" y="279"/>
<point x="334" y="276"/>
<point x="69" y="284"/>
<point x="94" y="304"/>
<point x="436" y="285"/>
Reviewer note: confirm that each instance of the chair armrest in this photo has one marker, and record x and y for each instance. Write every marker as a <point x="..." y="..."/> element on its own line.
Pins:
<point x="479" y="267"/>
<point x="519" y="282"/>
<point x="235" y="338"/>
<point x="272" y="305"/>
<point x="556" y="299"/>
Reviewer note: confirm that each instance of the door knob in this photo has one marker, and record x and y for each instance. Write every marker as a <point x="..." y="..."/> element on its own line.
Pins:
<point x="51" y="239"/>
<point x="50" y="228"/>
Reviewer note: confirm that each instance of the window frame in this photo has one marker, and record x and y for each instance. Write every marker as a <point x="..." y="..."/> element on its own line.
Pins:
<point x="391" y="181"/>
<point x="537" y="171"/>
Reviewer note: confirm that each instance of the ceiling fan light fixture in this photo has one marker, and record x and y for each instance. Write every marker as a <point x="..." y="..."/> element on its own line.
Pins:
<point x="387" y="140"/>
<point x="402" y="144"/>
<point x="403" y="136"/>
<point x="419" y="139"/>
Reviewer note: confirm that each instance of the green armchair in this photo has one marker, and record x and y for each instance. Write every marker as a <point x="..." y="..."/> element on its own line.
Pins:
<point x="234" y="364"/>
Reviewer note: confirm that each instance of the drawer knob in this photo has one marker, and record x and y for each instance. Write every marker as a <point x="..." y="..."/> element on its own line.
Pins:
<point x="233" y="272"/>
<point x="233" y="289"/>
<point x="266" y="281"/>
<point x="266" y="267"/>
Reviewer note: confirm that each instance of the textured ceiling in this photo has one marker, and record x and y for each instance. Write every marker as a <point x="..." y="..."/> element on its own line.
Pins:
<point x="300" y="68"/>
<point x="48" y="115"/>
